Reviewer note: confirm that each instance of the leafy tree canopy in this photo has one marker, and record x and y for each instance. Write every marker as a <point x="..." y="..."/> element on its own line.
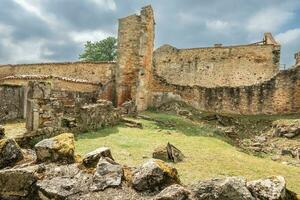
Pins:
<point x="104" y="50"/>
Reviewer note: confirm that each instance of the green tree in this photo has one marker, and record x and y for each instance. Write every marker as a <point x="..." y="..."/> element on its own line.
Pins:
<point x="104" y="50"/>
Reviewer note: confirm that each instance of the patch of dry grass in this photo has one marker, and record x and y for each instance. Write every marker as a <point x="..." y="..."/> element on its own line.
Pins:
<point x="14" y="128"/>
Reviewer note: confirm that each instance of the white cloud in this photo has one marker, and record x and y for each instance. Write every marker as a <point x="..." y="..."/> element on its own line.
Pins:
<point x="83" y="36"/>
<point x="268" y="20"/>
<point x="110" y="4"/>
<point x="35" y="7"/>
<point x="288" y="37"/>
<point x="23" y="52"/>
<point x="217" y="25"/>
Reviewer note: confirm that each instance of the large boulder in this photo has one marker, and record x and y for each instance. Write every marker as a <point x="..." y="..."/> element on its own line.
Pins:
<point x="108" y="174"/>
<point x="2" y="132"/>
<point x="154" y="175"/>
<point x="230" y="188"/>
<point x="17" y="183"/>
<point x="57" y="149"/>
<point x="10" y="153"/>
<point x="273" y="188"/>
<point x="91" y="159"/>
<point x="173" y="192"/>
<point x="62" y="181"/>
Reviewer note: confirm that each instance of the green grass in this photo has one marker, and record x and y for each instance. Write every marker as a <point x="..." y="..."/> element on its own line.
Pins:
<point x="208" y="153"/>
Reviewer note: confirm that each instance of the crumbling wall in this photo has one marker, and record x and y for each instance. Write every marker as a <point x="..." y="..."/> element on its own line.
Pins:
<point x="297" y="58"/>
<point x="230" y="66"/>
<point x="135" y="49"/>
<point x="52" y="111"/>
<point x="58" y="83"/>
<point x="11" y="102"/>
<point x="280" y="94"/>
<point x="91" y="71"/>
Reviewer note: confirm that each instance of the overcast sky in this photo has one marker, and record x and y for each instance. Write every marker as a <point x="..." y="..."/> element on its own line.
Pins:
<point x="55" y="30"/>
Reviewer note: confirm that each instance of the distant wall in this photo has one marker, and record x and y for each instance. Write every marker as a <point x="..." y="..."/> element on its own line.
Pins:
<point x="230" y="66"/>
<point x="280" y="94"/>
<point x="59" y="83"/>
<point x="91" y="71"/>
<point x="297" y="58"/>
<point x="11" y="102"/>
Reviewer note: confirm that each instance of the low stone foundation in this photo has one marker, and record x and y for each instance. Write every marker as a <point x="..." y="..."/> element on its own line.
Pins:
<point x="50" y="112"/>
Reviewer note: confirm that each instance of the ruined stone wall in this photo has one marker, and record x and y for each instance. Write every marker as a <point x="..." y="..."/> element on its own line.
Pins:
<point x="11" y="102"/>
<point x="280" y="94"/>
<point x="217" y="66"/>
<point x="51" y="111"/>
<point x="297" y="58"/>
<point x="57" y="83"/>
<point x="91" y="71"/>
<point x="135" y="48"/>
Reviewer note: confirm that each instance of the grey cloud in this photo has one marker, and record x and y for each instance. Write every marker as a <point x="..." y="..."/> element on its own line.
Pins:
<point x="179" y="23"/>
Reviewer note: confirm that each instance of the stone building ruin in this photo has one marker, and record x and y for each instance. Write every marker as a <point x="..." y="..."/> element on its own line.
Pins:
<point x="241" y="79"/>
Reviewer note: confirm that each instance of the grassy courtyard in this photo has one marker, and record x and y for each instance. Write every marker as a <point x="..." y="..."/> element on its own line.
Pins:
<point x="208" y="153"/>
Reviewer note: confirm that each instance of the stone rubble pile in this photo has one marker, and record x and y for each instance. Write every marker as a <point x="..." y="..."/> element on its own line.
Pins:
<point x="98" y="176"/>
<point x="288" y="128"/>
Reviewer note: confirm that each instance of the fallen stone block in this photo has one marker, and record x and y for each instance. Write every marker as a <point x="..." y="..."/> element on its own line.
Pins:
<point x="273" y="188"/>
<point x="57" y="149"/>
<point x="17" y="184"/>
<point x="173" y="192"/>
<point x="154" y="175"/>
<point x="10" y="153"/>
<point x="108" y="174"/>
<point x="168" y="153"/>
<point x="229" y="188"/>
<point x="91" y="159"/>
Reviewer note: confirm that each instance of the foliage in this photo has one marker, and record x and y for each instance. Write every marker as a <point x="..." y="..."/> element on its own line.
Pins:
<point x="104" y="50"/>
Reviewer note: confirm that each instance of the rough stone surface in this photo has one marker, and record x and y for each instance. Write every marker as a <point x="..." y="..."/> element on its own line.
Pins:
<point x="154" y="175"/>
<point x="168" y="153"/>
<point x="91" y="159"/>
<point x="174" y="192"/>
<point x="108" y="174"/>
<point x="62" y="181"/>
<point x="10" y="153"/>
<point x="2" y="132"/>
<point x="59" y="148"/>
<point x="17" y="183"/>
<point x="230" y="188"/>
<point x="286" y="128"/>
<point x="273" y="188"/>
<point x="11" y="102"/>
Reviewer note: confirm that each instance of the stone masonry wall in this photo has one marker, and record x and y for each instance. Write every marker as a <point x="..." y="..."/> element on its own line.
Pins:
<point x="58" y="83"/>
<point x="91" y="71"/>
<point x="280" y="94"/>
<point x="135" y="48"/>
<point x="297" y="58"/>
<point x="217" y="66"/>
<point x="11" y="102"/>
<point x="52" y="111"/>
